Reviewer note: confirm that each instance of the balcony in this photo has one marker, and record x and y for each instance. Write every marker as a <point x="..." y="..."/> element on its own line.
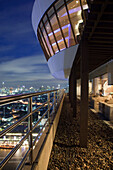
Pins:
<point x="70" y="148"/>
<point x="65" y="149"/>
<point x="31" y="131"/>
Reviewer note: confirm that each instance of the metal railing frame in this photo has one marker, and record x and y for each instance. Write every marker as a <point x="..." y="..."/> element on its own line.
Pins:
<point x="7" y="100"/>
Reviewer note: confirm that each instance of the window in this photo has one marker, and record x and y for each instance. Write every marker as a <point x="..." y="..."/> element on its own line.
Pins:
<point x="60" y="25"/>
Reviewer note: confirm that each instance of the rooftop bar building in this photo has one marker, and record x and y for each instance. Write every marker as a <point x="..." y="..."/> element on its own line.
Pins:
<point x="77" y="38"/>
<point x="57" y="25"/>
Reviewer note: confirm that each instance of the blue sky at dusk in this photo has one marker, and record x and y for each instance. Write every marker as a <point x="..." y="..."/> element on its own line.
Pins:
<point x="22" y="61"/>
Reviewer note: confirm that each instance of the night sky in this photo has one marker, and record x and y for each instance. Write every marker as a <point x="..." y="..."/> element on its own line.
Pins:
<point x="22" y="61"/>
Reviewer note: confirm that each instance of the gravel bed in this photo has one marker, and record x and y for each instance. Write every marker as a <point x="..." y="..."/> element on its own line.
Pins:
<point x="66" y="153"/>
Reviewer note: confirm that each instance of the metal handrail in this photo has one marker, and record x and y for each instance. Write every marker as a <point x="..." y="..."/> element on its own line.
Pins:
<point x="39" y="120"/>
<point x="23" y="160"/>
<point x="13" y="151"/>
<point x="39" y="107"/>
<point x="34" y="142"/>
<point x="11" y="99"/>
<point x="14" y="125"/>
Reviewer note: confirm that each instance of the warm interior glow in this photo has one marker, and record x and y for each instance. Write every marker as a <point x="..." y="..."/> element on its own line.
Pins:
<point x="59" y="24"/>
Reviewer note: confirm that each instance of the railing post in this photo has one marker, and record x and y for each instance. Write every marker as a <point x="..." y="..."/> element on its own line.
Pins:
<point x="57" y="96"/>
<point x="30" y="128"/>
<point x="54" y="101"/>
<point x="49" y="109"/>
<point x="84" y="94"/>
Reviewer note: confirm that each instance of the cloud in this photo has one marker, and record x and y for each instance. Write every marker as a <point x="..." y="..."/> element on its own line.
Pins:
<point x="17" y="39"/>
<point x="26" y="68"/>
<point x="6" y="48"/>
<point x="17" y="30"/>
<point x="23" y="65"/>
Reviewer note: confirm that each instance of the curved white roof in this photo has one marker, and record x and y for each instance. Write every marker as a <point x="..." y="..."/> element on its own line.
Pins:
<point x="60" y="64"/>
<point x="39" y="8"/>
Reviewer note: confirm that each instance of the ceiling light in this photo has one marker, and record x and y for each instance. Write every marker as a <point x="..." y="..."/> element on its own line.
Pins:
<point x="80" y="21"/>
<point x="76" y="26"/>
<point x="79" y="12"/>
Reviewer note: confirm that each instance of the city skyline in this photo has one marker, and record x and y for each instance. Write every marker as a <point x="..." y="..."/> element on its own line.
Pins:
<point x="22" y="61"/>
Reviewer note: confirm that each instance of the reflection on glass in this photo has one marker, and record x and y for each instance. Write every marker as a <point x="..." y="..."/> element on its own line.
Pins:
<point x="55" y="40"/>
<point x="50" y="12"/>
<point x="50" y="33"/>
<point x="54" y="24"/>
<point x="44" y="43"/>
<point x="47" y="41"/>
<point x="59" y="4"/>
<point x="57" y="32"/>
<point x="64" y="22"/>
<point x="74" y="9"/>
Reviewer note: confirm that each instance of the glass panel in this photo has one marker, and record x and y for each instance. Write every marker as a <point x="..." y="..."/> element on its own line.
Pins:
<point x="70" y="0"/>
<point x="61" y="44"/>
<point x="64" y="22"/>
<point x="74" y="9"/>
<point x="45" y="19"/>
<point x="48" y="28"/>
<point x="52" y="38"/>
<point x="56" y="29"/>
<point x="50" y="12"/>
<point x="47" y="41"/>
<point x="55" y="47"/>
<point x="43" y="42"/>
<point x="54" y="24"/>
<point x="41" y="25"/>
<point x="59" y="4"/>
<point x="50" y="34"/>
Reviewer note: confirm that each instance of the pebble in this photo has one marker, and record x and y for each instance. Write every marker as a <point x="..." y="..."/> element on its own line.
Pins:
<point x="66" y="153"/>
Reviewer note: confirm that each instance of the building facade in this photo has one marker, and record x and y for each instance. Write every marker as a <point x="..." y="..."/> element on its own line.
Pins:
<point x="57" y="25"/>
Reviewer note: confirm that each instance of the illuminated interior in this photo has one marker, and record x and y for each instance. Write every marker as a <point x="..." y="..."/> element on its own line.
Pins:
<point x="59" y="26"/>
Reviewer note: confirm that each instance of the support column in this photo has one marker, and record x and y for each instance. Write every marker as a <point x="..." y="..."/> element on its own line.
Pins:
<point x="72" y="77"/>
<point x="74" y="94"/>
<point x="94" y="86"/>
<point x="71" y="89"/>
<point x="84" y="94"/>
<point x="101" y="82"/>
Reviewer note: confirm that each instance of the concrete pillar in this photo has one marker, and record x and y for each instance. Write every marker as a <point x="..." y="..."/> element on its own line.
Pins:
<point x="84" y="94"/>
<point x="101" y="82"/>
<point x="74" y="93"/>
<point x="94" y="92"/>
<point x="71" y="89"/>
